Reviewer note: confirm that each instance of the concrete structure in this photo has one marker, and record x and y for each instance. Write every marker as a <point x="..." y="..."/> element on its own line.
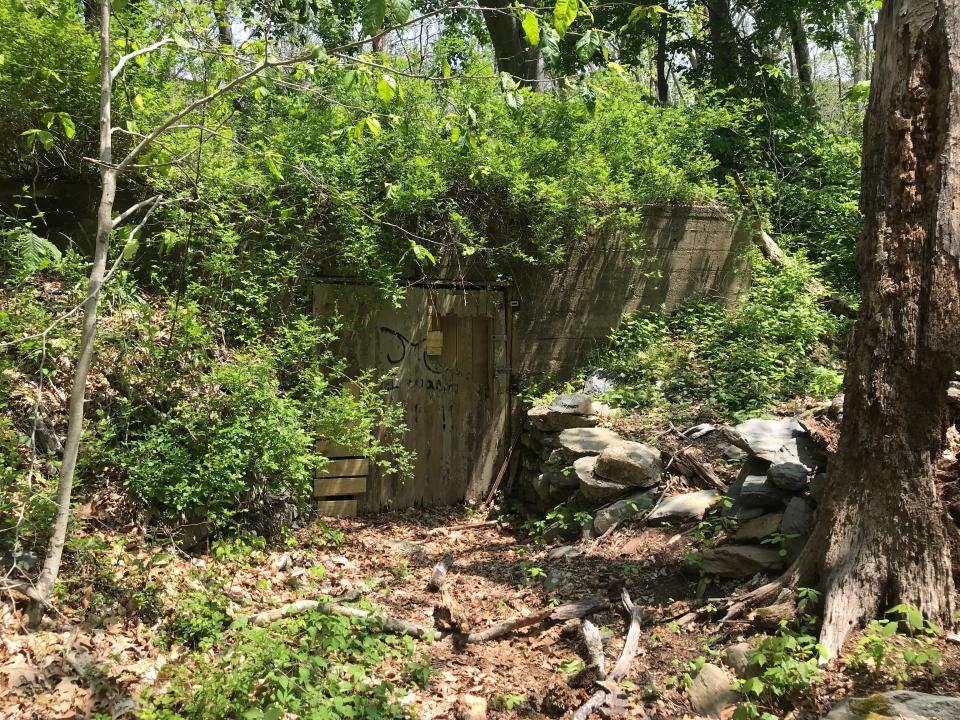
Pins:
<point x="534" y="320"/>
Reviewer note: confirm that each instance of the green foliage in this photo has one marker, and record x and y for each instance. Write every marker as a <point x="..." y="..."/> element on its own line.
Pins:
<point x="899" y="648"/>
<point x="789" y="663"/>
<point x="217" y="453"/>
<point x="775" y="346"/>
<point x="314" y="665"/>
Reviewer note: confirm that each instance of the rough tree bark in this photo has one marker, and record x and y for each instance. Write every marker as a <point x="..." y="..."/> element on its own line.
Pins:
<point x="801" y="52"/>
<point x="880" y="537"/>
<point x="108" y="178"/>
<point x="725" y="55"/>
<point x="663" y="88"/>
<point x="513" y="53"/>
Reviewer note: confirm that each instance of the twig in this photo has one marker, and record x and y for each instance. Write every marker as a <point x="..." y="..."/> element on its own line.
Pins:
<point x="503" y="470"/>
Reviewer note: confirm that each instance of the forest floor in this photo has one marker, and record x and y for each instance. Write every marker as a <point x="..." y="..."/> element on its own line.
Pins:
<point x="102" y="649"/>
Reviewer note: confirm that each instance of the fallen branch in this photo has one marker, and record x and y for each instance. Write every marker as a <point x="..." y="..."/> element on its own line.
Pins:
<point x="619" y="672"/>
<point x="688" y="462"/>
<point x="503" y="471"/>
<point x="439" y="575"/>
<point x="400" y="627"/>
<point x="464" y="526"/>
<point x="570" y="611"/>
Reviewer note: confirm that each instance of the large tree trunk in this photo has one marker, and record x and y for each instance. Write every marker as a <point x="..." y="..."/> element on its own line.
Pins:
<point x="725" y="55"/>
<point x="514" y="55"/>
<point x="51" y="565"/>
<point x="881" y="537"/>
<point x="663" y="88"/>
<point x="801" y="51"/>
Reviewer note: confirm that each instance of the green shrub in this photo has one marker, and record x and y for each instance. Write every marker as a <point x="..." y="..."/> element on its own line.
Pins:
<point x="778" y="344"/>
<point x="219" y="454"/>
<point x="313" y="665"/>
<point x="899" y="649"/>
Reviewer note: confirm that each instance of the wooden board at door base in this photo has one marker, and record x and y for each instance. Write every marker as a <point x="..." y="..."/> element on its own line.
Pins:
<point x="456" y="402"/>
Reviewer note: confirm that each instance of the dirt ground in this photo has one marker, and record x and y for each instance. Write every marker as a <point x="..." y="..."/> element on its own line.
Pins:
<point x="497" y="574"/>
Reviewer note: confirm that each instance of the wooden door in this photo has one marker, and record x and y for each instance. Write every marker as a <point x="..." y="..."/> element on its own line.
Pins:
<point x="455" y="396"/>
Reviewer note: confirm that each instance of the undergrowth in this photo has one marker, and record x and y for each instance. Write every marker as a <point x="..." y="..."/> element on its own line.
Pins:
<point x="313" y="665"/>
<point x="777" y="345"/>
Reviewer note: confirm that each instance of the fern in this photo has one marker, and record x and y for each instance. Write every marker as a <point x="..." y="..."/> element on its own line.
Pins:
<point x="32" y="253"/>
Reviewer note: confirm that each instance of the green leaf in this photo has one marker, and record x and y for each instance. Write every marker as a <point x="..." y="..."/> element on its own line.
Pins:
<point x="386" y="88"/>
<point x="373" y="125"/>
<point x="564" y="13"/>
<point x="272" y="166"/>
<point x="422" y="254"/>
<point x="181" y="41"/>
<point x="66" y="122"/>
<point x="531" y="27"/>
<point x="47" y="119"/>
<point x="400" y="11"/>
<point x="551" y="44"/>
<point x="373" y="15"/>
<point x="34" y="252"/>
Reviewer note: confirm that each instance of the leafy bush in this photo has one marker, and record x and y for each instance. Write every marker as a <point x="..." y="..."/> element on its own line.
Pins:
<point x="314" y="665"/>
<point x="779" y="343"/>
<point x="216" y="454"/>
<point x="900" y="650"/>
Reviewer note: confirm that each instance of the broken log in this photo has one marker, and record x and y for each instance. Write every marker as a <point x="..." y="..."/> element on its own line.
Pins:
<point x="464" y="526"/>
<point x="569" y="611"/>
<point x="619" y="672"/>
<point x="592" y="647"/>
<point x="449" y="615"/>
<point x="689" y="464"/>
<point x="439" y="575"/>
<point x="503" y="471"/>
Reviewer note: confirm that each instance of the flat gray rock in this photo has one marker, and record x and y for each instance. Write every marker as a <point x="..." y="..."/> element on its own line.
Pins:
<point x="622" y="510"/>
<point x="757" y="529"/>
<point x="818" y="486"/>
<point x="547" y="420"/>
<point x="788" y="475"/>
<point x="711" y="691"/>
<point x="740" y="561"/>
<point x="796" y="524"/>
<point x="901" y="704"/>
<point x="592" y="486"/>
<point x="630" y="463"/>
<point x="765" y="439"/>
<point x="683" y="508"/>
<point x="574" y="404"/>
<point x="579" y="442"/>
<point x="599" y="381"/>
<point x="758" y="492"/>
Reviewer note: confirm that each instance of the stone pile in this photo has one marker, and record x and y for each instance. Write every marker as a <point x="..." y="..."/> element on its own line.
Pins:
<point x="570" y="458"/>
<point x="773" y="497"/>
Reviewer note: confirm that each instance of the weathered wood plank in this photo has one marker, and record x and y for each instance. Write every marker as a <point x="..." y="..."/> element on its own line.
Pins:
<point x="352" y="467"/>
<point x="328" y="487"/>
<point x="337" y="508"/>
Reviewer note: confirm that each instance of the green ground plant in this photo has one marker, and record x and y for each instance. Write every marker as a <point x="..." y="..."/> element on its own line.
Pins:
<point x="901" y="648"/>
<point x="777" y="345"/>
<point x="315" y="665"/>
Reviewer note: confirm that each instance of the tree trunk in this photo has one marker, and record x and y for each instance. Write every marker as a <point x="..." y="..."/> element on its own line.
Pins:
<point x="51" y="565"/>
<point x="224" y="28"/>
<point x="855" y="49"/>
<point x="801" y="51"/>
<point x="881" y="537"/>
<point x="725" y="55"/>
<point x="514" y="55"/>
<point x="663" y="88"/>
